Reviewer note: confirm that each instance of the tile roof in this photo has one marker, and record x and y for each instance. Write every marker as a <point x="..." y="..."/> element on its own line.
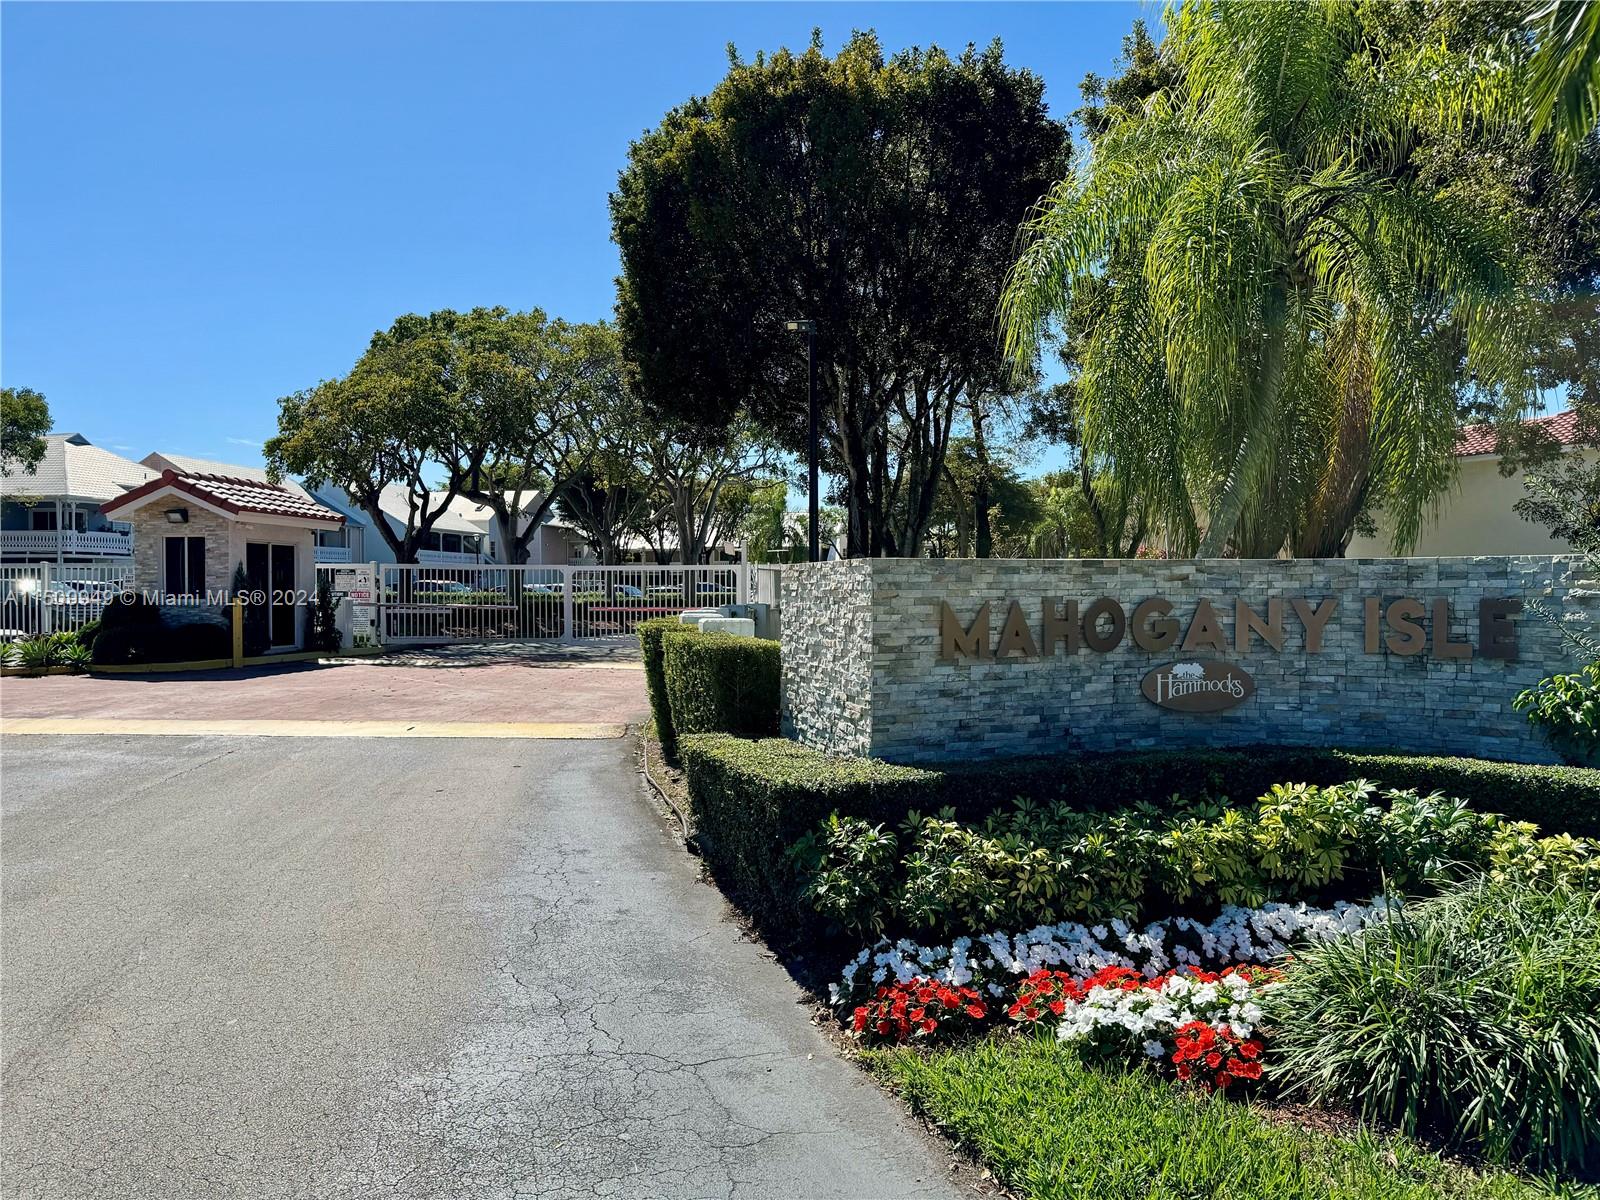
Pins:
<point x="1482" y="439"/>
<point x="73" y="466"/>
<point x="188" y="465"/>
<point x="235" y="495"/>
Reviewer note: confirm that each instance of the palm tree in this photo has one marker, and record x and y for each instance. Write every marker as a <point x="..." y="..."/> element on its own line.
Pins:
<point x="1563" y="89"/>
<point x="1274" y="293"/>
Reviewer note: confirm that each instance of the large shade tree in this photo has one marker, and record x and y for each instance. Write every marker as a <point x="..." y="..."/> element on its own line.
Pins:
<point x="503" y="408"/>
<point x="878" y="196"/>
<point x="396" y="421"/>
<point x="1274" y="297"/>
<point x="24" y="421"/>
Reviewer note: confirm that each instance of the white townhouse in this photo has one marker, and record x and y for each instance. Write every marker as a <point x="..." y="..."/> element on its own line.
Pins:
<point x="53" y="514"/>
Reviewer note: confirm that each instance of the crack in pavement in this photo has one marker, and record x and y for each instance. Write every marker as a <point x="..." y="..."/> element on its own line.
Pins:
<point x="463" y="970"/>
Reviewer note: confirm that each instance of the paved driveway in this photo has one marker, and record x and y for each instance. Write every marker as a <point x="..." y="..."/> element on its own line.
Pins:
<point x="327" y="968"/>
<point x="509" y="683"/>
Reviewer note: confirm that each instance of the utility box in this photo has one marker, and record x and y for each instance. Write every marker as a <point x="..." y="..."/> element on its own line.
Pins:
<point x="738" y="626"/>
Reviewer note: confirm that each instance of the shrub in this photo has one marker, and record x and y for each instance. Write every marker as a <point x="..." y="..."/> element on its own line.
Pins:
<point x="141" y="632"/>
<point x="751" y="801"/>
<point x="1559" y="799"/>
<point x="1567" y="708"/>
<point x="324" y="617"/>
<point x="652" y="640"/>
<point x="87" y="632"/>
<point x="720" y="683"/>
<point x="1476" y="1012"/>
<point x="1038" y="864"/>
<point x="1556" y="798"/>
<point x="129" y="609"/>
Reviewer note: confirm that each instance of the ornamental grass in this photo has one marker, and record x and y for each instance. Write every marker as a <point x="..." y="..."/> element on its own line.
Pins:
<point x="1474" y="1015"/>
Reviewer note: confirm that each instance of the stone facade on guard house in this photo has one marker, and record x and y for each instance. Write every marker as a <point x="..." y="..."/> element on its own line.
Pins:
<point x="921" y="660"/>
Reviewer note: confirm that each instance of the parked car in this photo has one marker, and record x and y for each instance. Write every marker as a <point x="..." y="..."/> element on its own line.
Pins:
<point x="437" y="589"/>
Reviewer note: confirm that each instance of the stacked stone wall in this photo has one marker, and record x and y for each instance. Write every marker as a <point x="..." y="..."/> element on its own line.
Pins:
<point x="864" y="670"/>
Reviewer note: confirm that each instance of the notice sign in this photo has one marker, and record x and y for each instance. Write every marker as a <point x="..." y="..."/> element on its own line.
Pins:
<point x="356" y="583"/>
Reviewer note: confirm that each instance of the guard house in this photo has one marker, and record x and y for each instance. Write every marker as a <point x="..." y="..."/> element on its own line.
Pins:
<point x="190" y="531"/>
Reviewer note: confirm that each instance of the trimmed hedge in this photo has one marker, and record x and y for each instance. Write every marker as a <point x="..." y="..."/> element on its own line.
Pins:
<point x="652" y="638"/>
<point x="721" y="683"/>
<point x="752" y="801"/>
<point x="1557" y="799"/>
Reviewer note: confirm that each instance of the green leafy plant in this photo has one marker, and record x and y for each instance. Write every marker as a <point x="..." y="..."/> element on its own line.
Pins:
<point x="1475" y="1014"/>
<point x="1567" y="708"/>
<point x="850" y="862"/>
<point x="75" y="655"/>
<point x="60" y="649"/>
<point x="324" y="617"/>
<point x="1041" y="865"/>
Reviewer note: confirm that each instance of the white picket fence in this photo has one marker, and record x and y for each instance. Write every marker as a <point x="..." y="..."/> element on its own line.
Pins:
<point x="38" y="598"/>
<point x="431" y="603"/>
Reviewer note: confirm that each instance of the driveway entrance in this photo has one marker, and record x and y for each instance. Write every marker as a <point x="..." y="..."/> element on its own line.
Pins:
<point x="508" y="683"/>
<point x="271" y="968"/>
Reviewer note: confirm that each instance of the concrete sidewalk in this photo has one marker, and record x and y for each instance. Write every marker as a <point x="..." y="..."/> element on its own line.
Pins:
<point x="263" y="968"/>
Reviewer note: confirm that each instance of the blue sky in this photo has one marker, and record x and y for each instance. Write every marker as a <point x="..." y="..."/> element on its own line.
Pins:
<point x="208" y="206"/>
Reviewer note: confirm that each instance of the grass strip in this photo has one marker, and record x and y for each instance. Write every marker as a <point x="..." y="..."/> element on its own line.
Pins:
<point x="1052" y="1128"/>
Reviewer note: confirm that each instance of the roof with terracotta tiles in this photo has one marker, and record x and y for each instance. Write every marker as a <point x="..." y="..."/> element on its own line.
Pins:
<point x="232" y="495"/>
<point x="1482" y="439"/>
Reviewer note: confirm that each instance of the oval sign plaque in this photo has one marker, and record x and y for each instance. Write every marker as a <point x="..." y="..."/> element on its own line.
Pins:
<point x="1198" y="687"/>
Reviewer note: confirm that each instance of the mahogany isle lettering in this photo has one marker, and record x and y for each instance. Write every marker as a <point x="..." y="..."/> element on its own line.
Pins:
<point x="1405" y="626"/>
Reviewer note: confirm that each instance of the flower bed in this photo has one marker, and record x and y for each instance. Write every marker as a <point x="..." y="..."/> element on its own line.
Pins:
<point x="1116" y="991"/>
<point x="993" y="962"/>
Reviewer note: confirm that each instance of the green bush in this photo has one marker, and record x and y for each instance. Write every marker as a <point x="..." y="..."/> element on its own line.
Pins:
<point x="751" y="801"/>
<point x="134" y="630"/>
<point x="1567" y="708"/>
<point x="1199" y="845"/>
<point x="87" y="632"/>
<point x="720" y="683"/>
<point x="652" y="637"/>
<point x="1476" y="1014"/>
<point x="1557" y="799"/>
<point x="1042" y="865"/>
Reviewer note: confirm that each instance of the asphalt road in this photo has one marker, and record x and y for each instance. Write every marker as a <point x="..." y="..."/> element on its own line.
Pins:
<point x="253" y="967"/>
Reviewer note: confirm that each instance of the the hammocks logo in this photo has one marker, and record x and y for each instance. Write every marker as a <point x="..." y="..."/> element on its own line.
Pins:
<point x="1198" y="687"/>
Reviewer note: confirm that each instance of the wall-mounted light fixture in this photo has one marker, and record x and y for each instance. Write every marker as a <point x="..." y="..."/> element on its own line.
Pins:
<point x="178" y="516"/>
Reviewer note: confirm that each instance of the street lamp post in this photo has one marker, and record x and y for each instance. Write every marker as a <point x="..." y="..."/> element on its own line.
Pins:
<point x="809" y="328"/>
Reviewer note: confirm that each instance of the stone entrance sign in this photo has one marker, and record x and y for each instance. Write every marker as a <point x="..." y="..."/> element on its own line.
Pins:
<point x="936" y="660"/>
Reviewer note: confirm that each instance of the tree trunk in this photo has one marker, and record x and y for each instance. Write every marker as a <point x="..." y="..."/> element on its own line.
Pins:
<point x="983" y="536"/>
<point x="1259" y="435"/>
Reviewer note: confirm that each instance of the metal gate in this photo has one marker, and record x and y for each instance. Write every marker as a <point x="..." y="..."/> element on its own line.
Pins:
<point x="48" y="598"/>
<point x="419" y="603"/>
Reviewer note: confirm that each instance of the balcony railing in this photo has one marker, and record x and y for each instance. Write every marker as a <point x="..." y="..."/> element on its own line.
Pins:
<point x="333" y="554"/>
<point x="48" y="543"/>
<point x="451" y="558"/>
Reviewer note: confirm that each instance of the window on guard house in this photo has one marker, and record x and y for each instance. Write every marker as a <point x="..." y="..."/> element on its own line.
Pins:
<point x="186" y="566"/>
